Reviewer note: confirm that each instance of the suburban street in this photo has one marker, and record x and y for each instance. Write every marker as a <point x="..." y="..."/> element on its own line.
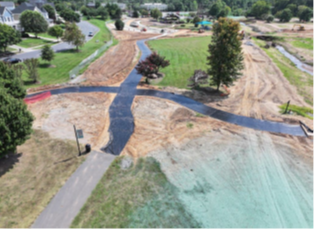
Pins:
<point x="85" y="27"/>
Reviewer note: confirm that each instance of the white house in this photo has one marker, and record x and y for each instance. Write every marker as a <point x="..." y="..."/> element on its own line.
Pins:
<point x="150" y="6"/>
<point x="6" y="17"/>
<point x="8" y="5"/>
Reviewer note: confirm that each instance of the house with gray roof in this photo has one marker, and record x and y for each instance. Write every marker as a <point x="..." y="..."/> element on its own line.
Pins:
<point x="28" y="6"/>
<point x="8" y="5"/>
<point x="6" y="17"/>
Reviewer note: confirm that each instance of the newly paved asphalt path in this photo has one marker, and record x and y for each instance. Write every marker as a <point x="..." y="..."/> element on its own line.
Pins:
<point x="85" y="27"/>
<point x="67" y="203"/>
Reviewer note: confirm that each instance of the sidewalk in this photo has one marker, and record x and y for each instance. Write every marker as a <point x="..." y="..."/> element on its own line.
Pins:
<point x="67" y="203"/>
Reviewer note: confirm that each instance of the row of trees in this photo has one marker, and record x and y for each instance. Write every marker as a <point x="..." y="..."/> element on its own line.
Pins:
<point x="283" y="10"/>
<point x="110" y="10"/>
<point x="15" y="119"/>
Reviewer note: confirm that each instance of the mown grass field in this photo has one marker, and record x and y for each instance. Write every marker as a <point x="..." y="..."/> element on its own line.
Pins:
<point x="67" y="60"/>
<point x="32" y="42"/>
<point x="30" y="178"/>
<point x="185" y="55"/>
<point x="305" y="43"/>
<point x="46" y="35"/>
<point x="298" y="78"/>
<point x="137" y="197"/>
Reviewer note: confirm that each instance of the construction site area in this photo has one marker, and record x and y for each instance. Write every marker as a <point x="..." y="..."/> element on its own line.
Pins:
<point x="225" y="175"/>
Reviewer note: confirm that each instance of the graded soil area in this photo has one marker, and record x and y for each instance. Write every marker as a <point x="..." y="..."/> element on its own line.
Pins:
<point x="227" y="176"/>
<point x="89" y="112"/>
<point x="115" y="65"/>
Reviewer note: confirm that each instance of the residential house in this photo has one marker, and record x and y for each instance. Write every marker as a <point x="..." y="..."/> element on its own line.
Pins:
<point x="150" y="6"/>
<point x="8" y="5"/>
<point x="6" y="17"/>
<point x="28" y="6"/>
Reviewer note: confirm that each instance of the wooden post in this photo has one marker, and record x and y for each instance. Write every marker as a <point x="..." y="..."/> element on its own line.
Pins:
<point x="77" y="141"/>
<point x="287" y="107"/>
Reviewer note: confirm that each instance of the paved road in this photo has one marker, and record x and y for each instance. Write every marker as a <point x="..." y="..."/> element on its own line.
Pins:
<point x="67" y="203"/>
<point x="85" y="27"/>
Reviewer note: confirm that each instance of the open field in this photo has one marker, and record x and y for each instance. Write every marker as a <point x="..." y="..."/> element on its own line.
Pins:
<point x="185" y="55"/>
<point x="136" y="197"/>
<point x="67" y="60"/>
<point x="32" y="176"/>
<point x="212" y="174"/>
<point x="32" y="42"/>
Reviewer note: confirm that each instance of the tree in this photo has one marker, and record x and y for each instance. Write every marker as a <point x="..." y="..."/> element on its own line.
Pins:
<point x="155" y="13"/>
<point x="8" y="36"/>
<point x="260" y="8"/>
<point x="47" y="53"/>
<point x="270" y="18"/>
<point x="10" y="81"/>
<point x="70" y="15"/>
<point x="55" y="31"/>
<point x="305" y="13"/>
<point x="84" y="10"/>
<point x="33" y="22"/>
<point x="135" y="14"/>
<point x="92" y="12"/>
<point x="102" y="12"/>
<point x="196" y="20"/>
<point x="51" y="11"/>
<point x="73" y="35"/>
<point x="60" y="7"/>
<point x="119" y="24"/>
<point x="15" y="122"/>
<point x="31" y="69"/>
<point x="151" y="65"/>
<point x="284" y="15"/>
<point x="225" y="53"/>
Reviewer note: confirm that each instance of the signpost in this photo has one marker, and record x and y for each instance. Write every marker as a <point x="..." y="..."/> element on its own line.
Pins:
<point x="78" y="134"/>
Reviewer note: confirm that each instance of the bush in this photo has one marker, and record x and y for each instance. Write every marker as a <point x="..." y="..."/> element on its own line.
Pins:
<point x="284" y="15"/>
<point x="182" y="25"/>
<point x="195" y="25"/>
<point x="119" y="25"/>
<point x="270" y="18"/>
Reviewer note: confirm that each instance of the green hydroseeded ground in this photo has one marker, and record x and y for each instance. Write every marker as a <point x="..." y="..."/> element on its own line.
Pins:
<point x="138" y="197"/>
<point x="185" y="55"/>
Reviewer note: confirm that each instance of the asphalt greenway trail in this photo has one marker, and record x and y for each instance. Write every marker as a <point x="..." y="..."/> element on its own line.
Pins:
<point x="121" y="117"/>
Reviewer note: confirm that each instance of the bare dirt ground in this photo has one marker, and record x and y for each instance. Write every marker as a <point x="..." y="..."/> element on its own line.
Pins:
<point x="115" y="65"/>
<point x="284" y="29"/>
<point x="89" y="112"/>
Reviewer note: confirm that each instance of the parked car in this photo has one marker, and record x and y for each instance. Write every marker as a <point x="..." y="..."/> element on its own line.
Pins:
<point x="11" y="60"/>
<point x="90" y="34"/>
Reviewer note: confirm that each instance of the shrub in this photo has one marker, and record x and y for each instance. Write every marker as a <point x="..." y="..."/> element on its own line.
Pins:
<point x="182" y="25"/>
<point x="119" y="24"/>
<point x="270" y="18"/>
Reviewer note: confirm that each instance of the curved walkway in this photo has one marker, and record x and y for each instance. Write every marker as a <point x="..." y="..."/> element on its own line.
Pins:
<point x="122" y="121"/>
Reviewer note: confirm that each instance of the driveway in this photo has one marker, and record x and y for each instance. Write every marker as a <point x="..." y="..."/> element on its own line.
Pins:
<point x="84" y="26"/>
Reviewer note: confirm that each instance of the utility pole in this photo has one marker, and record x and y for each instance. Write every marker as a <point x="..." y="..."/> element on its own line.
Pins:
<point x="77" y="141"/>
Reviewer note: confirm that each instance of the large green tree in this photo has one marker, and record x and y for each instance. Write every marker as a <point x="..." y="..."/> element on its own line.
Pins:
<point x="155" y="13"/>
<point x="70" y="15"/>
<point x="305" y="13"/>
<point x="225" y="53"/>
<point x="55" y="31"/>
<point x="34" y="22"/>
<point x="8" y="36"/>
<point x="15" y="122"/>
<point x="259" y="9"/>
<point x="73" y="35"/>
<point x="50" y="10"/>
<point x="102" y="12"/>
<point x="10" y="82"/>
<point x="284" y="15"/>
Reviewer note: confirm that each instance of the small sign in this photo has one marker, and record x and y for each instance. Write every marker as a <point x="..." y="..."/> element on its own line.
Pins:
<point x="79" y="134"/>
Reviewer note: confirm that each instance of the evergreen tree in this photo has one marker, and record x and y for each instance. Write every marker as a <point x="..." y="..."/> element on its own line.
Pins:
<point x="47" y="53"/>
<point x="226" y="58"/>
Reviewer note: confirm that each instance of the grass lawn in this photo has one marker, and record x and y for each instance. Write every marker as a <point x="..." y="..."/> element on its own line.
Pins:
<point x="185" y="55"/>
<point x="305" y="43"/>
<point x="137" y="197"/>
<point x="30" y="178"/>
<point x="302" y="80"/>
<point x="302" y="111"/>
<point x="46" y="35"/>
<point x="67" y="60"/>
<point x="32" y="42"/>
